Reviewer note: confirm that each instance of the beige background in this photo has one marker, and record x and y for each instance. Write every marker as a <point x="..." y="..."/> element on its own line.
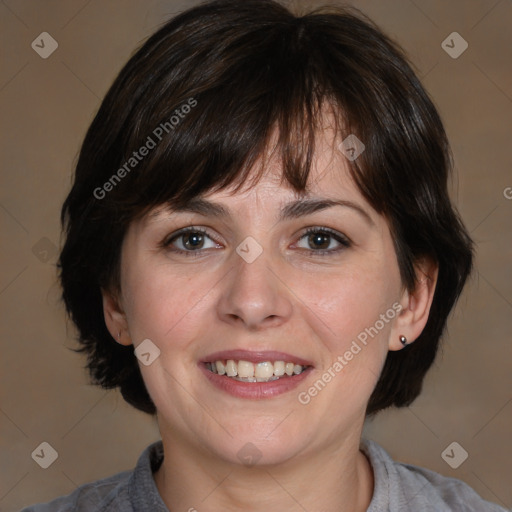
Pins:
<point x="46" y="106"/>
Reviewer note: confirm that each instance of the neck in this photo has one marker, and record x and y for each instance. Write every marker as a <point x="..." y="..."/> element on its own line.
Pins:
<point x="339" y="479"/>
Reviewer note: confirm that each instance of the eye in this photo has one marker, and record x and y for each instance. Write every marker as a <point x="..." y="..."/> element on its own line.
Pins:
<point x="192" y="241"/>
<point x="320" y="241"/>
<point x="189" y="240"/>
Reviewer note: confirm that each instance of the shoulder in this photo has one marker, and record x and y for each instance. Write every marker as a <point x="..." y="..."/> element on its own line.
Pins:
<point x="402" y="487"/>
<point x="116" y="493"/>
<point x="97" y="496"/>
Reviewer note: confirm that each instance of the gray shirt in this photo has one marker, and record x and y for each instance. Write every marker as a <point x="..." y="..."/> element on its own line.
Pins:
<point x="398" y="488"/>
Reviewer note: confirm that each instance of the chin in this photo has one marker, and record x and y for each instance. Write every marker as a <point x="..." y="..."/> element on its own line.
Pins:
<point x="261" y="446"/>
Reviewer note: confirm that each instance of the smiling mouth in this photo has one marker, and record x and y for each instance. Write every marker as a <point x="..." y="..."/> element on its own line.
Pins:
<point x="246" y="371"/>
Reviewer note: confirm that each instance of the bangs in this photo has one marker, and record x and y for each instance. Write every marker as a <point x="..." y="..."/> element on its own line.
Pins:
<point x="220" y="145"/>
<point x="203" y="115"/>
<point x="210" y="113"/>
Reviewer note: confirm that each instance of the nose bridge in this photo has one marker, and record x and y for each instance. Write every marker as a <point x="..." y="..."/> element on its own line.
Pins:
<point x="254" y="294"/>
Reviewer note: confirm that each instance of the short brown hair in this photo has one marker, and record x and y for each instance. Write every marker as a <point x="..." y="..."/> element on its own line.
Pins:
<point x="244" y="68"/>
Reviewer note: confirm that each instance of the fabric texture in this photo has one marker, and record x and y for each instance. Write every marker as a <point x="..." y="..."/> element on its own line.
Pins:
<point x="398" y="488"/>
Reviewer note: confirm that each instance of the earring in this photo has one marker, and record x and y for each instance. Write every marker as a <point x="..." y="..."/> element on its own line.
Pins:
<point x="118" y="335"/>
<point x="403" y="340"/>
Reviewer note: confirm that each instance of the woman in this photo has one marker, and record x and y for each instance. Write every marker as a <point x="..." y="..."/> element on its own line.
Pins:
<point x="260" y="250"/>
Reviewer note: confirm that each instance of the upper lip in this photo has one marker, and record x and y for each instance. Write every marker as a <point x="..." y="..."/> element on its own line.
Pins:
<point x="255" y="357"/>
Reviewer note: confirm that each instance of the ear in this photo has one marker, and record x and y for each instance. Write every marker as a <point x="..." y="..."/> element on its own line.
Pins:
<point x="415" y="305"/>
<point x="115" y="318"/>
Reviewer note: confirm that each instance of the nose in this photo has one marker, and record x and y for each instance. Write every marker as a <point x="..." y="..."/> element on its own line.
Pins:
<point x="254" y="295"/>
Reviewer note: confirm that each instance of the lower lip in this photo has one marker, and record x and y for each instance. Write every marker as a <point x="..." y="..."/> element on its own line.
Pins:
<point x="254" y="390"/>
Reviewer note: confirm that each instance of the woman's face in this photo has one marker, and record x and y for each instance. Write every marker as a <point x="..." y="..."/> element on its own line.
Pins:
<point x="256" y="287"/>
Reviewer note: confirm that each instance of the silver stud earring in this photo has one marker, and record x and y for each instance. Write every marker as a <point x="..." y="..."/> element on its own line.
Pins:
<point x="118" y="335"/>
<point x="403" y="340"/>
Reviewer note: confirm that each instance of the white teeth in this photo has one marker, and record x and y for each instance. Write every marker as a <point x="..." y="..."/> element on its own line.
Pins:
<point x="260" y="372"/>
<point x="263" y="370"/>
<point x="245" y="369"/>
<point x="231" y="368"/>
<point x="221" y="369"/>
<point x="279" y="368"/>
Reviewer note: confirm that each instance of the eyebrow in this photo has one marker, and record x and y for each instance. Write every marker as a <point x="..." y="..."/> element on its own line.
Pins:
<point x="293" y="210"/>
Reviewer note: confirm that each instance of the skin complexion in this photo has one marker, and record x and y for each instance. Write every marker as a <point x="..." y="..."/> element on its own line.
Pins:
<point x="325" y="274"/>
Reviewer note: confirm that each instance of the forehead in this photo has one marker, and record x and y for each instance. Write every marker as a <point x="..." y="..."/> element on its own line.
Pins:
<point x="329" y="176"/>
<point x="267" y="191"/>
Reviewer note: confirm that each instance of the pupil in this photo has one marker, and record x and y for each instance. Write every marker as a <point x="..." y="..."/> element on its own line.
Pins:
<point x="321" y="239"/>
<point x="193" y="240"/>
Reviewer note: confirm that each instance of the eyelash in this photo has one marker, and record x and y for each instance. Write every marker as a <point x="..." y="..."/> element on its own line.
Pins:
<point x="341" y="239"/>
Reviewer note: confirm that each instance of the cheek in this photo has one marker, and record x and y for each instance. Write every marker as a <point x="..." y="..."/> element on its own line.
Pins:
<point x="351" y="301"/>
<point x="160" y="303"/>
<point x="351" y="312"/>
<point x="351" y="316"/>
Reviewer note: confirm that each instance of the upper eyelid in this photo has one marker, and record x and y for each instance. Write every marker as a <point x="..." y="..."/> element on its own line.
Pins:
<point x="324" y="229"/>
<point x="183" y="231"/>
<point x="341" y="238"/>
